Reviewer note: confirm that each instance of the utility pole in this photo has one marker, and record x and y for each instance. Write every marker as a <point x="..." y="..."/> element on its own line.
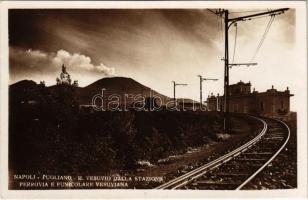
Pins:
<point x="201" y="80"/>
<point x="228" y="23"/>
<point x="226" y="76"/>
<point x="174" y="85"/>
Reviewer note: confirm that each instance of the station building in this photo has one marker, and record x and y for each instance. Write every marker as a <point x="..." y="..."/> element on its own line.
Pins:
<point x="271" y="103"/>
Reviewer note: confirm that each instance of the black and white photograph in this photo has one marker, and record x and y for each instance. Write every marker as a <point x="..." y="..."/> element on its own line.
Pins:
<point x="155" y="98"/>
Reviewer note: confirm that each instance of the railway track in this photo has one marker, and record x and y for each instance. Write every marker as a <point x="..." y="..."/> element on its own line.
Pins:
<point x="237" y="168"/>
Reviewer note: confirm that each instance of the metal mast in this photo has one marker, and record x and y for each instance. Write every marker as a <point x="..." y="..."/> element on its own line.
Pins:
<point x="201" y="80"/>
<point x="174" y="85"/>
<point x="228" y="23"/>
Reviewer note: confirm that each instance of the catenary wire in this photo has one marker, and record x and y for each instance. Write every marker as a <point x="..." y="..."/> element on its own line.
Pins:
<point x="263" y="37"/>
<point x="235" y="37"/>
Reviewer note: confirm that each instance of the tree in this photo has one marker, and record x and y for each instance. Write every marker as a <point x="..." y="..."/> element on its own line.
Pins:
<point x="58" y="81"/>
<point x="69" y="80"/>
<point x="42" y="84"/>
<point x="75" y="84"/>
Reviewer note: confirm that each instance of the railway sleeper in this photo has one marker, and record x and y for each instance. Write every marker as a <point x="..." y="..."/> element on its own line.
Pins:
<point x="263" y="149"/>
<point x="274" y="130"/>
<point x="275" y="135"/>
<point x="258" y="156"/>
<point x="244" y="166"/>
<point x="264" y="155"/>
<point x="269" y="145"/>
<point x="232" y="174"/>
<point x="250" y="159"/>
<point x="203" y="182"/>
<point x="258" y="153"/>
<point x="214" y="178"/>
<point x="269" y="142"/>
<point x="216" y="185"/>
<point x="224" y="178"/>
<point x="210" y="187"/>
<point x="274" y="138"/>
<point x="235" y="170"/>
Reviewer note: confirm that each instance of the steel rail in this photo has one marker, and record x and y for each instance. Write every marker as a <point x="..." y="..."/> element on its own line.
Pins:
<point x="270" y="160"/>
<point x="196" y="173"/>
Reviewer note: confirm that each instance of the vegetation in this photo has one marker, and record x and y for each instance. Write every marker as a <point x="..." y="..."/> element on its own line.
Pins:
<point x="49" y="135"/>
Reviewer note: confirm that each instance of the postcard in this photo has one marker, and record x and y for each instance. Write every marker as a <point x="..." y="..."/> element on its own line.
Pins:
<point x="153" y="99"/>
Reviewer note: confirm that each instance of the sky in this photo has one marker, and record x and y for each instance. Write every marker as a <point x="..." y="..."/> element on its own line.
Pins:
<point x="152" y="46"/>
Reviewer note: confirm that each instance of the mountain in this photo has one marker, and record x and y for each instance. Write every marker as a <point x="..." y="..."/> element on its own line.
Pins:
<point x="117" y="86"/>
<point x="124" y="88"/>
<point x="24" y="90"/>
<point x="23" y="84"/>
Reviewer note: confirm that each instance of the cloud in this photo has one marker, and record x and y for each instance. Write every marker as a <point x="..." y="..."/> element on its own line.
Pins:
<point x="28" y="63"/>
<point x="103" y="68"/>
<point x="35" y="53"/>
<point x="28" y="60"/>
<point x="81" y="62"/>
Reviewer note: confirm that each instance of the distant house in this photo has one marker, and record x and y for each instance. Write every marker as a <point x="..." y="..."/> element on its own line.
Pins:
<point x="241" y="100"/>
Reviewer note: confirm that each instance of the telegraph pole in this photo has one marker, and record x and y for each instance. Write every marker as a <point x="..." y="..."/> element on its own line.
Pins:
<point x="174" y="85"/>
<point x="174" y="101"/>
<point x="200" y="91"/>
<point x="228" y="23"/>
<point x="201" y="80"/>
<point x="226" y="76"/>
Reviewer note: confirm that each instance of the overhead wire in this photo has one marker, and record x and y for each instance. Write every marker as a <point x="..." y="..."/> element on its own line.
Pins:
<point x="219" y="19"/>
<point x="258" y="17"/>
<point x="220" y="23"/>
<point x="212" y="11"/>
<point x="235" y="37"/>
<point x="247" y="11"/>
<point x="263" y="37"/>
<point x="221" y="29"/>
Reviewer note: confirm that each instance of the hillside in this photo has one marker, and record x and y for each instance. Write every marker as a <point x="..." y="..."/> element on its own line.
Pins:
<point x="117" y="86"/>
<point x="120" y="86"/>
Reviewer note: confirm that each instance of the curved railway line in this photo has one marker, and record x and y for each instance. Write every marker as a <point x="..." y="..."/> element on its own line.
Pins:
<point x="237" y="168"/>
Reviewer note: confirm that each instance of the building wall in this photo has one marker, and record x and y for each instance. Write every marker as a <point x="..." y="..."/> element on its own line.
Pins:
<point x="273" y="104"/>
<point x="269" y="103"/>
<point x="240" y="88"/>
<point x="212" y="103"/>
<point x="240" y="104"/>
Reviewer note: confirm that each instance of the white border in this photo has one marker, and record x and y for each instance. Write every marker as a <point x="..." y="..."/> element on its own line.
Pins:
<point x="301" y="34"/>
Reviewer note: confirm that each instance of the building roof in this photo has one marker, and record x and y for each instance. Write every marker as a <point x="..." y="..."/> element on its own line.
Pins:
<point x="269" y="92"/>
<point x="241" y="83"/>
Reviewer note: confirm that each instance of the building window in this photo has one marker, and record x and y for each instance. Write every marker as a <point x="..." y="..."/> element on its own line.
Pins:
<point x="261" y="105"/>
<point x="282" y="104"/>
